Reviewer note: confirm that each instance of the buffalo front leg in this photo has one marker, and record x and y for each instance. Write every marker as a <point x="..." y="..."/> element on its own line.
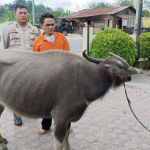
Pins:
<point x="66" y="144"/>
<point x="2" y="144"/>
<point x="60" y="135"/>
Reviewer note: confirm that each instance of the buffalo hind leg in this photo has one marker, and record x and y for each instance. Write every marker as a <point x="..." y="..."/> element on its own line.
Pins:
<point x="2" y="141"/>
<point x="60" y="135"/>
<point x="66" y="144"/>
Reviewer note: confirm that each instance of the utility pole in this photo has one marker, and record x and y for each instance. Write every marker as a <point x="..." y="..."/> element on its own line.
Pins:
<point x="139" y="29"/>
<point x="137" y="12"/>
<point x="33" y="12"/>
<point x="88" y="24"/>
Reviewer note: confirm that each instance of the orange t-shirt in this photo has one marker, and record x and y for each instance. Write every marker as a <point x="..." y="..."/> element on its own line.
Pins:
<point x="60" y="43"/>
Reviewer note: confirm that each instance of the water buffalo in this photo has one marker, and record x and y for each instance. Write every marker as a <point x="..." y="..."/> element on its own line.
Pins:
<point x="56" y="84"/>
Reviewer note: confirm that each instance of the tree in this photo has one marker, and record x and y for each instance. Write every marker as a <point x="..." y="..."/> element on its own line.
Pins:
<point x="11" y="7"/>
<point x="2" y="10"/>
<point x="146" y="8"/>
<point x="23" y="2"/>
<point x="28" y="4"/>
<point x="40" y="9"/>
<point x="59" y="12"/>
<point x="7" y="11"/>
<point x="95" y="5"/>
<point x="146" y="13"/>
<point x="67" y="13"/>
<point x="146" y="4"/>
<point x="8" y="16"/>
<point x="125" y="3"/>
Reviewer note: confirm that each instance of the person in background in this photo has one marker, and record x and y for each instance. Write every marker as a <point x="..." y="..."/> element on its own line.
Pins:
<point x="82" y="25"/>
<point x="49" y="40"/>
<point x="19" y="35"/>
<point x="92" y="25"/>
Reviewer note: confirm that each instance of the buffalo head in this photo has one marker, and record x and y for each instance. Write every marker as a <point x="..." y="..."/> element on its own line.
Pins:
<point x="116" y="66"/>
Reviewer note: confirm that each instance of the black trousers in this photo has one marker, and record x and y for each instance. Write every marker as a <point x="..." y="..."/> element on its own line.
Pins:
<point x="46" y="123"/>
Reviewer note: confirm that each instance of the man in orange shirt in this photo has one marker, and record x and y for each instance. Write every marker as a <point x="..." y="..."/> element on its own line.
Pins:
<point x="49" y="40"/>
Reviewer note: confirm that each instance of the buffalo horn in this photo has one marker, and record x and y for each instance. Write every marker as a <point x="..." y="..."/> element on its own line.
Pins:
<point x="124" y="62"/>
<point x="91" y="59"/>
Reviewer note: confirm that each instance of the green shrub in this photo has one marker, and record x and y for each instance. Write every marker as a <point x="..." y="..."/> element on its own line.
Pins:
<point x="116" y="41"/>
<point x="145" y="45"/>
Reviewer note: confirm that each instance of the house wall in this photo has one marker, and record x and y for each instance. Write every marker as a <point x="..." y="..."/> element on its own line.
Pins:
<point x="131" y="21"/>
<point x="101" y="22"/>
<point x="131" y="17"/>
<point x="126" y="12"/>
<point x="108" y="21"/>
<point x="115" y="21"/>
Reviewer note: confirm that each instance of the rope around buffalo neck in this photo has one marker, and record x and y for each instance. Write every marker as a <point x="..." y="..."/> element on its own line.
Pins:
<point x="129" y="103"/>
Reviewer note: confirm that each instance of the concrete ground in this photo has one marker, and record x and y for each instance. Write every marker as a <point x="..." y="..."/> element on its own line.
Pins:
<point x="71" y="37"/>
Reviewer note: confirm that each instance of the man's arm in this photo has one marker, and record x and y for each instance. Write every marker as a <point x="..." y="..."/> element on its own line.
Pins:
<point x="5" y="38"/>
<point x="35" y="46"/>
<point x="66" y="46"/>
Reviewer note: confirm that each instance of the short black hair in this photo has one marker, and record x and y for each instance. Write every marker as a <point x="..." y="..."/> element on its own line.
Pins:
<point x="20" y="6"/>
<point x="46" y="15"/>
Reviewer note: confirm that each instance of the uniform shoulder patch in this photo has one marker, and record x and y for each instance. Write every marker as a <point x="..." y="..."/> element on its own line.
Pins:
<point x="13" y="30"/>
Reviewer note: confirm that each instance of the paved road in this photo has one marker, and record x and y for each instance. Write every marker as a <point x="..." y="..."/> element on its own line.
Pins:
<point x="76" y="46"/>
<point x="75" y="42"/>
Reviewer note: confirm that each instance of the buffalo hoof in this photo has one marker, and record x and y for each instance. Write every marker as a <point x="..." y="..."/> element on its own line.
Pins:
<point x="17" y="121"/>
<point x="5" y="141"/>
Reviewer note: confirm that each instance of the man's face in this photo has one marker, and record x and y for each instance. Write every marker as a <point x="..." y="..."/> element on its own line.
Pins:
<point x="21" y="16"/>
<point x="48" y="26"/>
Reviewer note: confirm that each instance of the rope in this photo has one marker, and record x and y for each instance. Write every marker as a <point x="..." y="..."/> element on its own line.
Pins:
<point x="129" y="103"/>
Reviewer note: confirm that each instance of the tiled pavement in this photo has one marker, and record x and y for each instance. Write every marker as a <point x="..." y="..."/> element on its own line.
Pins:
<point x="106" y="125"/>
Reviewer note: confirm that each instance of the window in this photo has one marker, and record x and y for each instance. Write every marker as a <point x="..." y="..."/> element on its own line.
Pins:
<point x="108" y="23"/>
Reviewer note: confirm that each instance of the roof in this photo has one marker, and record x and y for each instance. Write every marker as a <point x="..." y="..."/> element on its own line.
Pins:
<point x="96" y="12"/>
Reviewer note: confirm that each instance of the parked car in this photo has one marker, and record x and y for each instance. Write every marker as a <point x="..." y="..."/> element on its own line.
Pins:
<point x="65" y="26"/>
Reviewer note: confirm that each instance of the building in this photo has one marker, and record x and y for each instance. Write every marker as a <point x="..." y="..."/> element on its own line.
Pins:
<point x="120" y="17"/>
<point x="146" y="22"/>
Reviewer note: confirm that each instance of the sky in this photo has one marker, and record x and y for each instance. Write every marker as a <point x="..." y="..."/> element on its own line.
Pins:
<point x="72" y="5"/>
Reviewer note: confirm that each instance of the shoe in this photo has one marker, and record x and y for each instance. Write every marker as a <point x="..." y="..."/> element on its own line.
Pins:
<point x="5" y="141"/>
<point x="17" y="121"/>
